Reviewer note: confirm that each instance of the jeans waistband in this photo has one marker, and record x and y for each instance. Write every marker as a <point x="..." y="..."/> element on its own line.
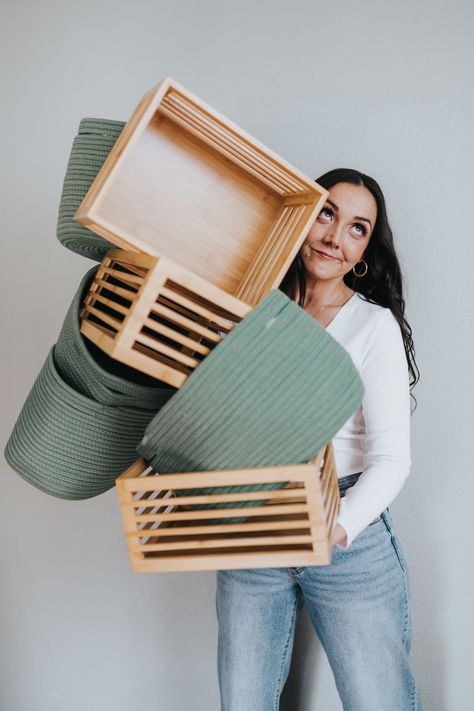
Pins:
<point x="346" y="482"/>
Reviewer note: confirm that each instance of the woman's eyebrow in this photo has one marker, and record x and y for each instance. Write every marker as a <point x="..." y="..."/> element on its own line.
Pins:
<point x="364" y="219"/>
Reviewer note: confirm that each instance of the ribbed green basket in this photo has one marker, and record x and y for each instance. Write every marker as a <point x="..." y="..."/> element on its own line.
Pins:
<point x="93" y="373"/>
<point x="80" y="424"/>
<point x="273" y="392"/>
<point x="91" y="146"/>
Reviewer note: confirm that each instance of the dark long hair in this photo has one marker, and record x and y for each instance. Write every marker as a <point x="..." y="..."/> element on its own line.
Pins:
<point x="382" y="283"/>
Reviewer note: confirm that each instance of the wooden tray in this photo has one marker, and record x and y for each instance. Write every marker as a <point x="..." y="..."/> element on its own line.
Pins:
<point x="291" y="527"/>
<point x="184" y="182"/>
<point x="154" y="315"/>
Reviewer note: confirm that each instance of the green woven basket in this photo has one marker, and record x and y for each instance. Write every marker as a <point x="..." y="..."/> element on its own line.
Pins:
<point x="91" y="146"/>
<point x="80" y="425"/>
<point x="273" y="392"/>
<point x="93" y="373"/>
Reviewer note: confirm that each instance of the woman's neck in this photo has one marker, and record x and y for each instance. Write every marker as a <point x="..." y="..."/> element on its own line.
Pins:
<point x="324" y="292"/>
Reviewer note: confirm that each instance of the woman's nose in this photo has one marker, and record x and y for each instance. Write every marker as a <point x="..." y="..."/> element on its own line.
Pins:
<point x="333" y="237"/>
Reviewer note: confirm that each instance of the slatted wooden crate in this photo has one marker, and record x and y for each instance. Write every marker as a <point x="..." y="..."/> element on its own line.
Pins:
<point x="184" y="182"/>
<point x="156" y="316"/>
<point x="290" y="526"/>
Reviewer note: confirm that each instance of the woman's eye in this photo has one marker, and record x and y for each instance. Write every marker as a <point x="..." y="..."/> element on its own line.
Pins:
<point x="360" y="229"/>
<point x="326" y="212"/>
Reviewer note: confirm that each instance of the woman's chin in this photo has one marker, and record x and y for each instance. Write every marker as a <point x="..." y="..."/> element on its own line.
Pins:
<point x="319" y="270"/>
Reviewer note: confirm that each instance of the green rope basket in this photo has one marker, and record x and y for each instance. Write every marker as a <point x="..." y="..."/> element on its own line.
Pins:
<point x="93" y="373"/>
<point x="80" y="425"/>
<point x="91" y="146"/>
<point x="273" y="392"/>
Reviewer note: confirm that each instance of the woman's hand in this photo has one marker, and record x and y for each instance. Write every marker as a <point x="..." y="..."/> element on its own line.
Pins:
<point x="339" y="535"/>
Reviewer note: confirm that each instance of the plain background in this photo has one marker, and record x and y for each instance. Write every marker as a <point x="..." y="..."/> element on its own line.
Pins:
<point x="380" y="86"/>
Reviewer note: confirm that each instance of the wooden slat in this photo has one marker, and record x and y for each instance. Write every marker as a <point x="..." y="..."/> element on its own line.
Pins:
<point x="246" y="283"/>
<point x="124" y="293"/>
<point x="139" y="261"/>
<point x="332" y="513"/>
<point x="97" y="296"/>
<point x="129" y="524"/>
<point x="229" y="513"/>
<point x="326" y="482"/>
<point x="135" y="470"/>
<point x="222" y="477"/>
<point x="152" y="517"/>
<point x="270" y="254"/>
<point x="227" y="543"/>
<point x="276" y="494"/>
<point x="225" y="528"/>
<point x="128" y="263"/>
<point x="224" y="149"/>
<point x="264" y="162"/>
<point x="273" y="254"/>
<point x="96" y="331"/>
<point x="224" y="138"/>
<point x="275" y="250"/>
<point x="331" y="502"/>
<point x="224" y="142"/>
<point x="155" y="365"/>
<point x="177" y="308"/>
<point x="124" y="276"/>
<point x="305" y="199"/>
<point x="197" y="308"/>
<point x="163" y="330"/>
<point x="181" y="276"/>
<point x="114" y="322"/>
<point x="227" y="560"/>
<point x="330" y="516"/>
<point x="161" y="310"/>
<point x="173" y="353"/>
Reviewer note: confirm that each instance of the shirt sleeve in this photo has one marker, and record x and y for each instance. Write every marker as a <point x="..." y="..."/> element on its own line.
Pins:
<point x="386" y="411"/>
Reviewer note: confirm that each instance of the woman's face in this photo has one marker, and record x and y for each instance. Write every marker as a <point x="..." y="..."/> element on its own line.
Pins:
<point x="342" y="230"/>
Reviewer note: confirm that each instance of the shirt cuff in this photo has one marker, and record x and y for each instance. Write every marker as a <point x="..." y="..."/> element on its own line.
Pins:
<point x="347" y="542"/>
<point x="352" y="527"/>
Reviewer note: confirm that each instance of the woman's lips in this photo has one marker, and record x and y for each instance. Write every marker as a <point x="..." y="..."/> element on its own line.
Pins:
<point x="324" y="255"/>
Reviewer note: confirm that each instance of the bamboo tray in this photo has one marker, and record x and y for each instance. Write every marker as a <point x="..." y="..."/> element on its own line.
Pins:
<point x="156" y="316"/>
<point x="291" y="526"/>
<point x="184" y="182"/>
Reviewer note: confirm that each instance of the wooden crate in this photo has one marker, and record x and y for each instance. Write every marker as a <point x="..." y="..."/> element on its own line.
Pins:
<point x="291" y="526"/>
<point x="156" y="316"/>
<point x="184" y="182"/>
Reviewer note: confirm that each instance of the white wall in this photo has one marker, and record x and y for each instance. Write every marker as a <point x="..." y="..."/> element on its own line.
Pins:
<point x="382" y="87"/>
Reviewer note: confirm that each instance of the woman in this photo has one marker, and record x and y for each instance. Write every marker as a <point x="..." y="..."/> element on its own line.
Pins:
<point x="347" y="276"/>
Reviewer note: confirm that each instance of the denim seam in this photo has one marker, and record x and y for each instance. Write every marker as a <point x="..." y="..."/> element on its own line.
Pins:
<point x="285" y="650"/>
<point x="405" y="578"/>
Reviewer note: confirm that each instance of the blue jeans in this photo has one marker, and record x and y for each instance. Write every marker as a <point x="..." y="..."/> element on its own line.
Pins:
<point x="359" y="606"/>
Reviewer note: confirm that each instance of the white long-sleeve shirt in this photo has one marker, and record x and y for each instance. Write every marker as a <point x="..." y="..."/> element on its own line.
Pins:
<point x="375" y="440"/>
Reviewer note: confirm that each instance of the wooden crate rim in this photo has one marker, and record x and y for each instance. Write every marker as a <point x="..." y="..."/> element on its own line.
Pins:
<point x="158" y="92"/>
<point x="281" y="472"/>
<point x="161" y="89"/>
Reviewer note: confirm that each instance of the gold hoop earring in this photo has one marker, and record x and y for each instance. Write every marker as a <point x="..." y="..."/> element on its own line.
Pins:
<point x="363" y="273"/>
